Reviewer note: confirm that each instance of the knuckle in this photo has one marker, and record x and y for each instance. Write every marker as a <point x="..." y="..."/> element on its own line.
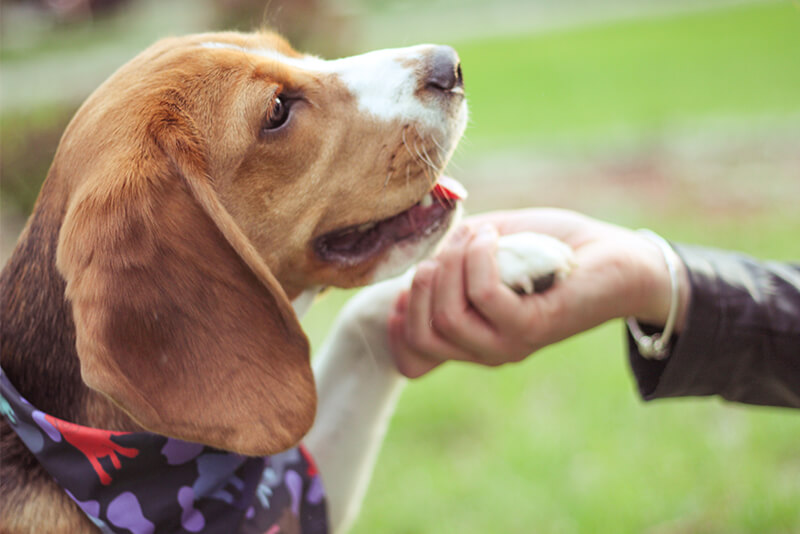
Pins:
<point x="406" y="368"/>
<point x="419" y="340"/>
<point x="422" y="281"/>
<point x="495" y="362"/>
<point x="520" y="355"/>
<point x="480" y="248"/>
<point x="444" y="321"/>
<point x="481" y="294"/>
<point x="526" y="349"/>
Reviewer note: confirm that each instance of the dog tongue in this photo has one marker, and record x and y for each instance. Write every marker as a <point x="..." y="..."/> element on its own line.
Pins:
<point x="450" y="189"/>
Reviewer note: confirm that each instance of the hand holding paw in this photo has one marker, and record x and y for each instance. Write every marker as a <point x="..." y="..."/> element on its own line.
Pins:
<point x="509" y="283"/>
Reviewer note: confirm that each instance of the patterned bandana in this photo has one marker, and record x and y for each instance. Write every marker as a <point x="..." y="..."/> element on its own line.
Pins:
<point x="143" y="483"/>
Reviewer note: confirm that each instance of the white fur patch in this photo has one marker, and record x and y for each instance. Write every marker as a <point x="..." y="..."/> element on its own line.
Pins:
<point x="383" y="81"/>
<point x="384" y="85"/>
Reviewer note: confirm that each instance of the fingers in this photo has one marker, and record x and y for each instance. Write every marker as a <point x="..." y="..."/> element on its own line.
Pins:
<point x="453" y="317"/>
<point x="458" y="308"/>
<point x="417" y="346"/>
<point x="435" y="321"/>
<point x="568" y="226"/>
<point x="409" y="362"/>
<point x="483" y="287"/>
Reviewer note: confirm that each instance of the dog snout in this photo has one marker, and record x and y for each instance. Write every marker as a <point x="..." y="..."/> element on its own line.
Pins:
<point x="444" y="70"/>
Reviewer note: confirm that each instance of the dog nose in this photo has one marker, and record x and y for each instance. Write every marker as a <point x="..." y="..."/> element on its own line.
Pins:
<point x="444" y="72"/>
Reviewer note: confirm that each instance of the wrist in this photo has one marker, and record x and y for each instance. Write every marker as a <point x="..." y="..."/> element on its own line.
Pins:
<point x="656" y="346"/>
<point x="656" y="284"/>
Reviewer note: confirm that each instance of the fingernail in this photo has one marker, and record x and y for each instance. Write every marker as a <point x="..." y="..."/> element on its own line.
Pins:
<point x="427" y="265"/>
<point x="487" y="231"/>
<point x="460" y="235"/>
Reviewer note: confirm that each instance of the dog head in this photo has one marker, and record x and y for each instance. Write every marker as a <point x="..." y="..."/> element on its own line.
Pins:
<point x="214" y="178"/>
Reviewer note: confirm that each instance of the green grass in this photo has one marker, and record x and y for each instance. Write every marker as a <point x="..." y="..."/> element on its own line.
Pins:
<point x="561" y="443"/>
<point x="635" y="77"/>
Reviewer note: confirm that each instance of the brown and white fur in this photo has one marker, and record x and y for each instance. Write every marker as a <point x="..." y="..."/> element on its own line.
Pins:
<point x="178" y="226"/>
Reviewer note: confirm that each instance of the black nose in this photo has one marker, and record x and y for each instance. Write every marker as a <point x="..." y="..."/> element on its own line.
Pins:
<point x="444" y="72"/>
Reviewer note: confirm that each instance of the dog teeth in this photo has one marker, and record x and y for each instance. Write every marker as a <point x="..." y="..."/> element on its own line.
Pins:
<point x="366" y="226"/>
<point x="426" y="201"/>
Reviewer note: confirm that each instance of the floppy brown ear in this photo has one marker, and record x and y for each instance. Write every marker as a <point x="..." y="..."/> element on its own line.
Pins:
<point x="178" y="319"/>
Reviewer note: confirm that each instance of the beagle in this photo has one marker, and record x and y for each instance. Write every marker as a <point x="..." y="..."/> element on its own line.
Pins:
<point x="155" y="377"/>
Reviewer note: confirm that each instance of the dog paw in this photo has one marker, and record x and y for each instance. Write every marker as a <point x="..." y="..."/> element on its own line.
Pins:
<point x="531" y="263"/>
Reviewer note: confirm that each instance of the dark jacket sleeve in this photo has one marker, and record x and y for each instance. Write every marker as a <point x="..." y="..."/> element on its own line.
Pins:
<point x="741" y="339"/>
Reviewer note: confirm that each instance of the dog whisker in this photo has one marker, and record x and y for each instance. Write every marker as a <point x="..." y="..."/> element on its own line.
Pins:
<point x="388" y="177"/>
<point x="427" y="158"/>
<point x="419" y="158"/>
<point x="417" y="153"/>
<point x="429" y="161"/>
<point x="431" y="170"/>
<point x="438" y="145"/>
<point x="426" y="168"/>
<point x="423" y="155"/>
<point x="405" y="143"/>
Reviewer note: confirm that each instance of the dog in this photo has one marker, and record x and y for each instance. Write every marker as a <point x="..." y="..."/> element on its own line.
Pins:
<point x="198" y="202"/>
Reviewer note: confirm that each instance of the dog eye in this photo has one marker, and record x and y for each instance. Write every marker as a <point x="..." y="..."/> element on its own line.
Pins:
<point x="277" y="116"/>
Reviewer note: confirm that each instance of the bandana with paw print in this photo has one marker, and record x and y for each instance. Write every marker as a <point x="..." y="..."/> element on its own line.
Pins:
<point x="143" y="483"/>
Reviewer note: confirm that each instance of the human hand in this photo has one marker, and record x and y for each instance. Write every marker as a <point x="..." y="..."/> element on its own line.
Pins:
<point x="458" y="309"/>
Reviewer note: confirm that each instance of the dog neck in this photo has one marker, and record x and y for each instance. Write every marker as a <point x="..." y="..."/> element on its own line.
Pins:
<point x="38" y="334"/>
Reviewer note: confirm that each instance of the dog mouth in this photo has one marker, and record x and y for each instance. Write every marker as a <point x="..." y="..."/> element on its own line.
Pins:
<point x="356" y="244"/>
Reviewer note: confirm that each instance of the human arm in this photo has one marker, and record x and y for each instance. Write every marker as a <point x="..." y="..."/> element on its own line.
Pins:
<point x="741" y="337"/>
<point x="458" y="309"/>
<point x="620" y="273"/>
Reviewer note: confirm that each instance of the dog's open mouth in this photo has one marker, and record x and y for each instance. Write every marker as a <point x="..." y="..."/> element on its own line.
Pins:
<point x="359" y="243"/>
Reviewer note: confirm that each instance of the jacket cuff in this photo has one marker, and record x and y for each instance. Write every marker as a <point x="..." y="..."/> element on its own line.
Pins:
<point x="691" y="368"/>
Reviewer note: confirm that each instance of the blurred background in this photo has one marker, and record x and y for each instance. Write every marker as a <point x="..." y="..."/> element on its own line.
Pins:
<point x="681" y="116"/>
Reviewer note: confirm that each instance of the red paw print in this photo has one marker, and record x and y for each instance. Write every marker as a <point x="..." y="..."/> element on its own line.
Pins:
<point x="94" y="444"/>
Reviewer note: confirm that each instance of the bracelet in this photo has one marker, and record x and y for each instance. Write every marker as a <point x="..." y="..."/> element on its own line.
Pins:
<point x="656" y="347"/>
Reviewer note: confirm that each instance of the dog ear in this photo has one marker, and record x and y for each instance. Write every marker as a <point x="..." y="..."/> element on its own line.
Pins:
<point x="178" y="319"/>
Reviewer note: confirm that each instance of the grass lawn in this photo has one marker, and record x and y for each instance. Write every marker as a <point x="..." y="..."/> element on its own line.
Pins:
<point x="634" y="77"/>
<point x="561" y="443"/>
